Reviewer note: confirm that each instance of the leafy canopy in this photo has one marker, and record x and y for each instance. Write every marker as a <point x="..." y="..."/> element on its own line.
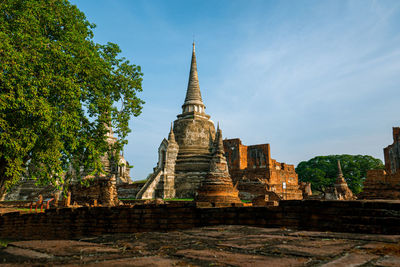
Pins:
<point x="58" y="90"/>
<point x="322" y="171"/>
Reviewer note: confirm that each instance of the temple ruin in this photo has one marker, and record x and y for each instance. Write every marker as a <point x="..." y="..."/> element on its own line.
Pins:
<point x="385" y="184"/>
<point x="342" y="189"/>
<point x="184" y="158"/>
<point x="258" y="175"/>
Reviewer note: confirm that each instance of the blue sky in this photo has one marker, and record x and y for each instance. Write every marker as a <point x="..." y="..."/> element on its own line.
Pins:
<point x="309" y="77"/>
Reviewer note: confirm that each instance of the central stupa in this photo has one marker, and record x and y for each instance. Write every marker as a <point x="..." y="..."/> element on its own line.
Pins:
<point x="184" y="158"/>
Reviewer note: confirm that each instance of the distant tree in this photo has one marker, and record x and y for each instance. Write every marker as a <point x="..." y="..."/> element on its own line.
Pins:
<point x="322" y="171"/>
<point x="58" y="91"/>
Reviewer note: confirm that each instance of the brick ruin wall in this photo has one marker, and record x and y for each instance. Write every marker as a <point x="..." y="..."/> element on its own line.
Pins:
<point x="381" y="185"/>
<point x="339" y="216"/>
<point x="392" y="153"/>
<point x="385" y="184"/>
<point x="101" y="190"/>
<point x="250" y="164"/>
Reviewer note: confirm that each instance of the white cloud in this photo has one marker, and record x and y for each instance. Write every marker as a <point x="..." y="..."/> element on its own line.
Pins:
<point x="330" y="92"/>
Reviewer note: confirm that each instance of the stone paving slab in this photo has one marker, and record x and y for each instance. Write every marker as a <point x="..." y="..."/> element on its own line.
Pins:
<point x="64" y="247"/>
<point x="389" y="261"/>
<point x="218" y="246"/>
<point x="244" y="245"/>
<point x="153" y="261"/>
<point x="352" y="259"/>
<point x="350" y="236"/>
<point x="322" y="252"/>
<point x="237" y="259"/>
<point x="27" y="253"/>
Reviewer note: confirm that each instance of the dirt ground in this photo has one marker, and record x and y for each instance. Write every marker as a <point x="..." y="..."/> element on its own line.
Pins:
<point x="209" y="246"/>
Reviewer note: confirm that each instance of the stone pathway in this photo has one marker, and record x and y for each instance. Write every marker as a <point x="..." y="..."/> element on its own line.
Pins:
<point x="209" y="246"/>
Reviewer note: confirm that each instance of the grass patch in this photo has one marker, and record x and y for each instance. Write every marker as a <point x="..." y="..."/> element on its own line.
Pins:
<point x="246" y="201"/>
<point x="167" y="199"/>
<point x="139" y="181"/>
<point x="26" y="209"/>
<point x="4" y="243"/>
<point x="178" y="199"/>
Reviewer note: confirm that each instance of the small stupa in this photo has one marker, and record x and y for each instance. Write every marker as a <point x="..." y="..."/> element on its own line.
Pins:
<point x="342" y="189"/>
<point x="217" y="187"/>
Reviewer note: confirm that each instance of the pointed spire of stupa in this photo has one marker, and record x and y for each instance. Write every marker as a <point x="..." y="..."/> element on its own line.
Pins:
<point x="171" y="135"/>
<point x="340" y="179"/>
<point x="193" y="101"/>
<point x="342" y="189"/>
<point x="219" y="144"/>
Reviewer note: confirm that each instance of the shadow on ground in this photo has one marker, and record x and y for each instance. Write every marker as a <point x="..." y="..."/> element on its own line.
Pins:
<point x="211" y="246"/>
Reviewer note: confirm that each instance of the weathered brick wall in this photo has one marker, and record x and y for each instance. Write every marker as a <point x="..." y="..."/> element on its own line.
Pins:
<point x="341" y="216"/>
<point x="380" y="185"/>
<point x="385" y="184"/>
<point x="258" y="156"/>
<point x="250" y="164"/>
<point x="235" y="153"/>
<point x="392" y="153"/>
<point x="72" y="223"/>
<point x="101" y="189"/>
<point x="376" y="176"/>
<point x="376" y="217"/>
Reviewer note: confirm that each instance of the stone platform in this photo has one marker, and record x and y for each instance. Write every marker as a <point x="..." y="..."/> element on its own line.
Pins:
<point x="210" y="246"/>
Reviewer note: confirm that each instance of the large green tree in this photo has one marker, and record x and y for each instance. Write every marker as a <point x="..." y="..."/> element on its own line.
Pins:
<point x="322" y="171"/>
<point x="58" y="90"/>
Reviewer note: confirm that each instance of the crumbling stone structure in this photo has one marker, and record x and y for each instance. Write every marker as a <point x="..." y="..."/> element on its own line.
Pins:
<point x="342" y="189"/>
<point x="392" y="154"/>
<point x="184" y="159"/>
<point x="305" y="188"/>
<point x="255" y="172"/>
<point x="385" y="184"/>
<point x="102" y="190"/>
<point x="269" y="199"/>
<point x="28" y="190"/>
<point x="121" y="168"/>
<point x="217" y="186"/>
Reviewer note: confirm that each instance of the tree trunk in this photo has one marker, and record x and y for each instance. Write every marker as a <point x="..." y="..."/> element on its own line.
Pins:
<point x="3" y="179"/>
<point x="2" y="189"/>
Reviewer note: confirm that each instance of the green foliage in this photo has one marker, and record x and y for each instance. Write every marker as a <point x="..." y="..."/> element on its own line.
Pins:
<point x="140" y="181"/>
<point x="24" y="210"/>
<point x="4" y="243"/>
<point x="322" y="171"/>
<point x="58" y="90"/>
<point x="167" y="199"/>
<point x="178" y="199"/>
